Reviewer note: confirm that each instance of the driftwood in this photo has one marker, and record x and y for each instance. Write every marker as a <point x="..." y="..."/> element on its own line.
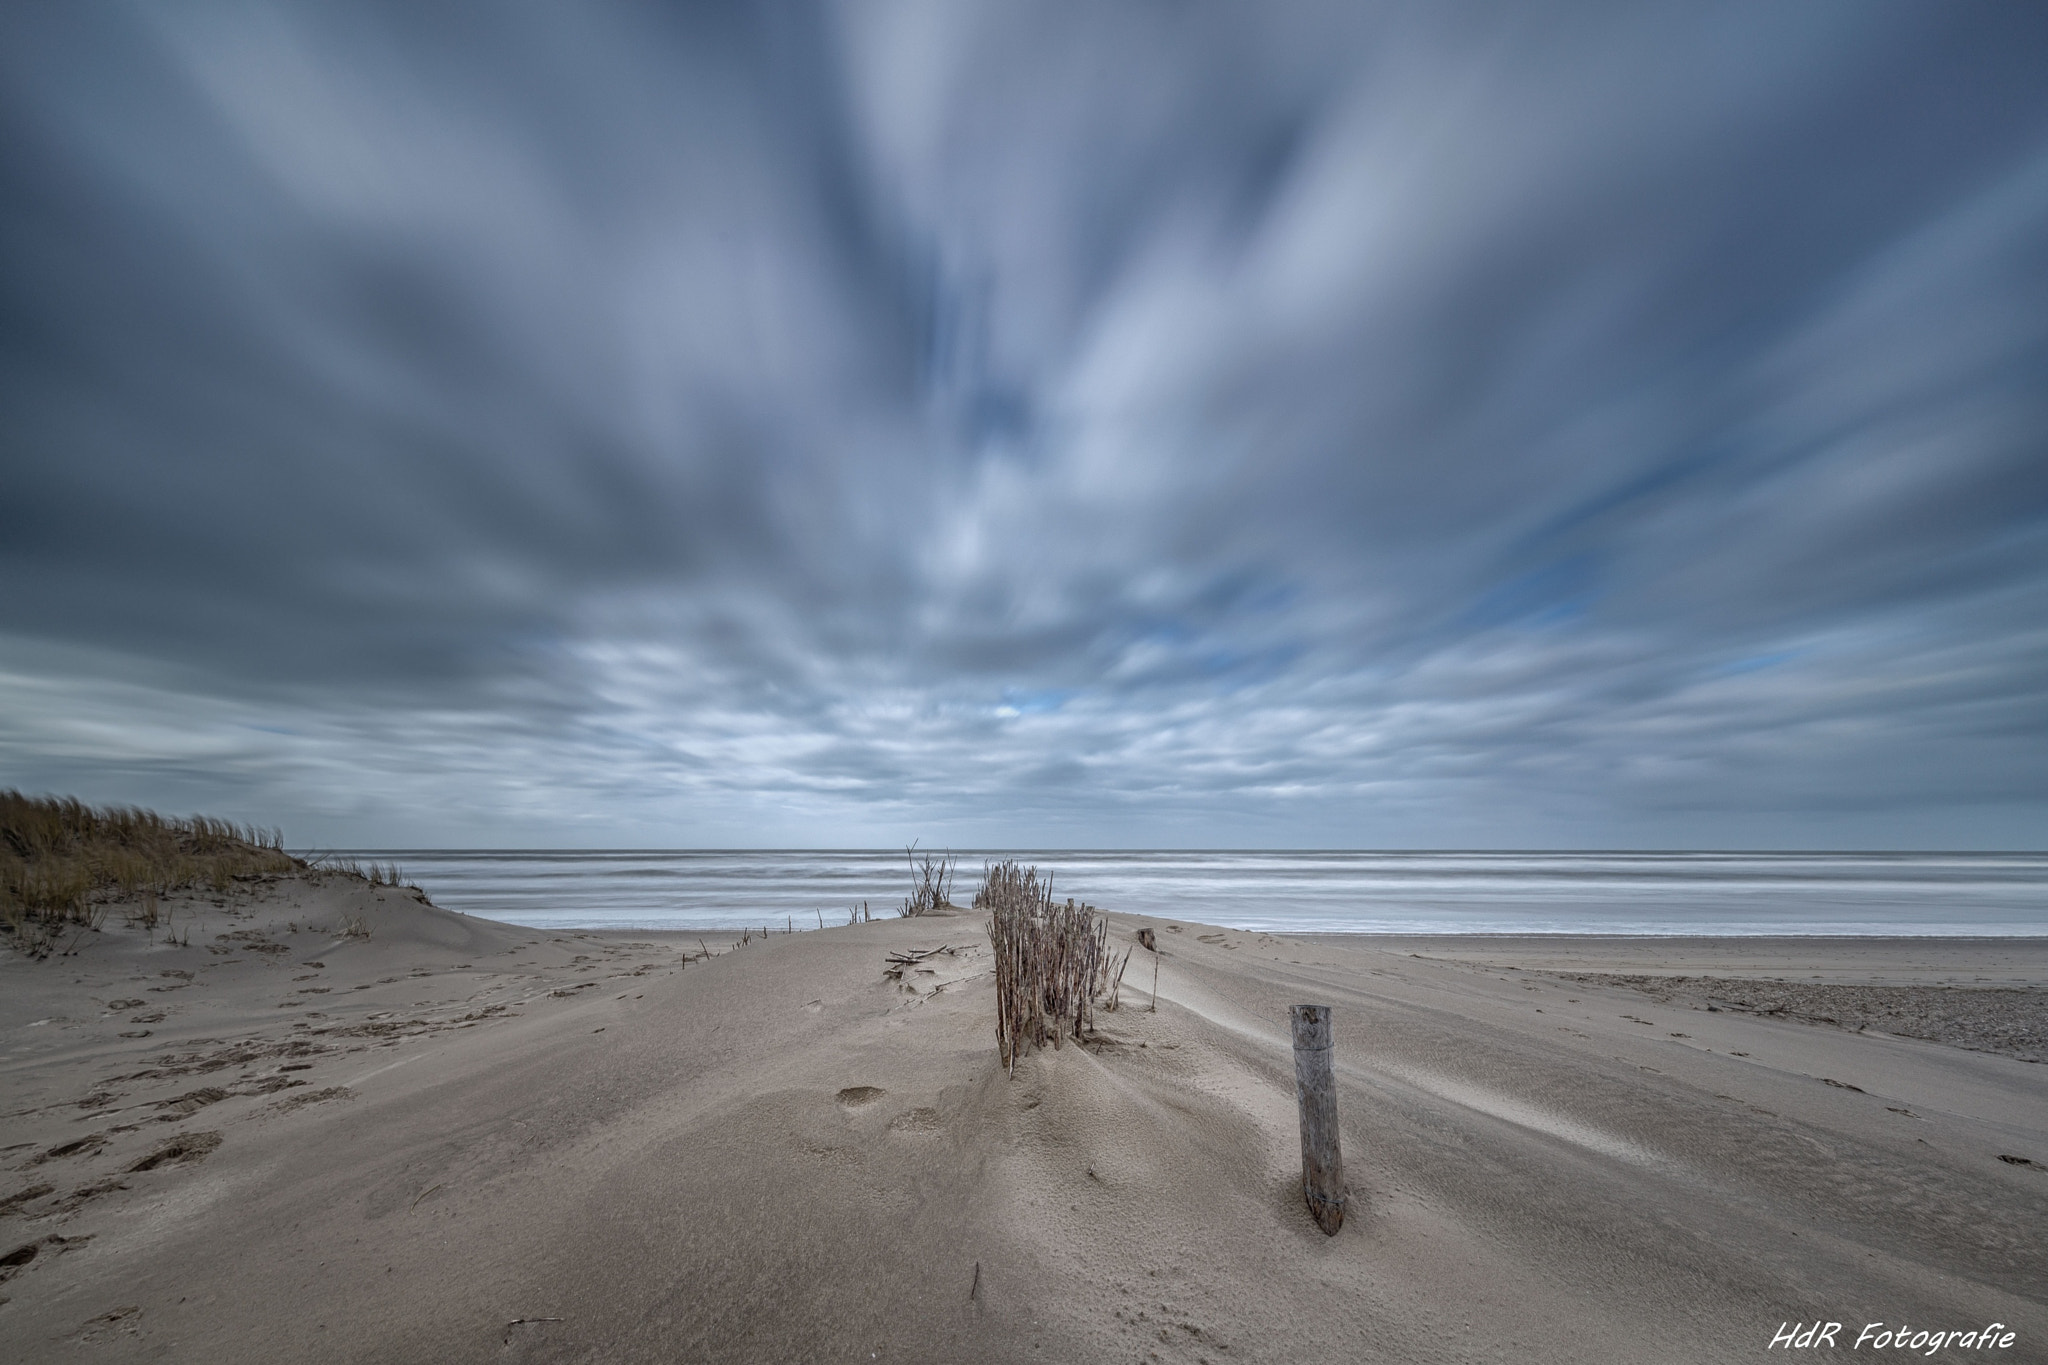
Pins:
<point x="898" y="961"/>
<point x="1315" y="1087"/>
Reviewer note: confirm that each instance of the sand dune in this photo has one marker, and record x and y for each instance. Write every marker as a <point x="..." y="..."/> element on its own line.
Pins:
<point x="458" y="1140"/>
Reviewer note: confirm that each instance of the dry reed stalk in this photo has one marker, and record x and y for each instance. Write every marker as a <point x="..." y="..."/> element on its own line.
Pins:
<point x="1116" y="983"/>
<point x="1052" y="960"/>
<point x="931" y="883"/>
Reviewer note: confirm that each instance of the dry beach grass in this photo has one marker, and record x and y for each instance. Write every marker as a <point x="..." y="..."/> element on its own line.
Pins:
<point x="62" y="862"/>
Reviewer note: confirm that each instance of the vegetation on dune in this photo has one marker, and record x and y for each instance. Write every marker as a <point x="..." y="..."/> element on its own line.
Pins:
<point x="1053" y="961"/>
<point x="62" y="860"/>
<point x="376" y="874"/>
<point x="931" y="884"/>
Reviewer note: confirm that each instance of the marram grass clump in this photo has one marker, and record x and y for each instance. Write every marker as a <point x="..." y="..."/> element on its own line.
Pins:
<point x="61" y="861"/>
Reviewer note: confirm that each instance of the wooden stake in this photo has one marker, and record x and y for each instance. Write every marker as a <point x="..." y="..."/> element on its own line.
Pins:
<point x="1315" y="1087"/>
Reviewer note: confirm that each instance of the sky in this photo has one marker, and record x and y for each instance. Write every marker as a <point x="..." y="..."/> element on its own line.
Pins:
<point x="1030" y="425"/>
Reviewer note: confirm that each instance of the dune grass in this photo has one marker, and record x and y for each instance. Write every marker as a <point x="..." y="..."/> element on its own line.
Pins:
<point x="61" y="861"/>
<point x="375" y="873"/>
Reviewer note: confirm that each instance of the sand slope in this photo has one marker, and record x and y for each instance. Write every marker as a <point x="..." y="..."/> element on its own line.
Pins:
<point x="522" y="1146"/>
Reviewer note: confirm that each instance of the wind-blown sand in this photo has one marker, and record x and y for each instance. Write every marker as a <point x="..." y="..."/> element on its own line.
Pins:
<point x="464" y="1141"/>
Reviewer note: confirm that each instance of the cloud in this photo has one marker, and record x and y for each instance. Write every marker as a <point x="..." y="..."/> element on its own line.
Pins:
<point x="1021" y="424"/>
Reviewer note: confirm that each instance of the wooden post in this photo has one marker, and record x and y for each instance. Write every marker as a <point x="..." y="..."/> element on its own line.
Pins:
<point x="1315" y="1087"/>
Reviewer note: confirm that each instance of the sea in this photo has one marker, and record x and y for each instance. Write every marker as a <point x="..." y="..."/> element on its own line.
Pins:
<point x="1714" y="894"/>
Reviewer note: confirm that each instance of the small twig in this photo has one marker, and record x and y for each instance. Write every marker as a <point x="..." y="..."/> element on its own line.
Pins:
<point x="517" y="1321"/>
<point x="975" y="1288"/>
<point x="421" y="1195"/>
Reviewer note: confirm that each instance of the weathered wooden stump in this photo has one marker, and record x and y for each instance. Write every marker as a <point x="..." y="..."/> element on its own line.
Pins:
<point x="1315" y="1088"/>
<point x="1151" y="946"/>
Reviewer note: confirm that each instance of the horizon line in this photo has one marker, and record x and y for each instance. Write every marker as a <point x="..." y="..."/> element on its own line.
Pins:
<point x="1138" y="848"/>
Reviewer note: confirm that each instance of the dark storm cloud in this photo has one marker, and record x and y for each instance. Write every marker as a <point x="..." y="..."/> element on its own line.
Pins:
<point x="1112" y="424"/>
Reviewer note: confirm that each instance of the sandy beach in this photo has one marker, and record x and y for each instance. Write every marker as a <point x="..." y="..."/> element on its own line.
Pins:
<point x="458" y="1140"/>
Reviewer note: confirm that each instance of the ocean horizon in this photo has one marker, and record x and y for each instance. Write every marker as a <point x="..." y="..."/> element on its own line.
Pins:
<point x="1744" y="894"/>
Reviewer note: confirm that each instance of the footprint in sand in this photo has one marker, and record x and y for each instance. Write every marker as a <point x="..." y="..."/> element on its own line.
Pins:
<point x="860" y="1096"/>
<point x="13" y="1261"/>
<point x="917" y="1121"/>
<point x="84" y="1146"/>
<point x="178" y="1150"/>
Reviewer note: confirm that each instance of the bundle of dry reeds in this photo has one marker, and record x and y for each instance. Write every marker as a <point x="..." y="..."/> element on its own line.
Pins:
<point x="931" y="883"/>
<point x="1052" y="960"/>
